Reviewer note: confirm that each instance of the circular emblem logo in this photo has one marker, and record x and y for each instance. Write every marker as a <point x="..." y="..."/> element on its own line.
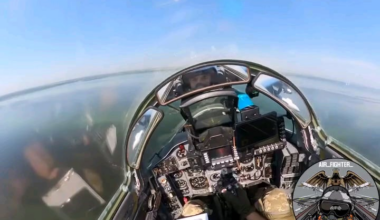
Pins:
<point x="335" y="189"/>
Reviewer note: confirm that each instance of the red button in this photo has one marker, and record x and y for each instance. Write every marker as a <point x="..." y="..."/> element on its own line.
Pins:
<point x="181" y="147"/>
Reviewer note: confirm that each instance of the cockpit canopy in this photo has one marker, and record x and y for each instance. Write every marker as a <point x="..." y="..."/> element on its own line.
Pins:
<point x="192" y="81"/>
<point x="207" y="97"/>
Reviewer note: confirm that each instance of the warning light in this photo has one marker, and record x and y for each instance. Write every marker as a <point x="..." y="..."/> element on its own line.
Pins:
<point x="182" y="147"/>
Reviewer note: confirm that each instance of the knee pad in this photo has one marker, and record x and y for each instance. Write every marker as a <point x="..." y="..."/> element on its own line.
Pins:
<point x="274" y="204"/>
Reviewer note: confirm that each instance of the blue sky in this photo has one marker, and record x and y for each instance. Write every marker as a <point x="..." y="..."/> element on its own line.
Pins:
<point x="43" y="41"/>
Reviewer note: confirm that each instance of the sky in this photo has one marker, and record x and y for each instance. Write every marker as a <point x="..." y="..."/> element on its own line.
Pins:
<point x="44" y="41"/>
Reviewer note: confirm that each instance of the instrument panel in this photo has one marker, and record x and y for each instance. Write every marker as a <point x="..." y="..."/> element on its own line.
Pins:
<point x="187" y="172"/>
<point x="194" y="182"/>
<point x="178" y="179"/>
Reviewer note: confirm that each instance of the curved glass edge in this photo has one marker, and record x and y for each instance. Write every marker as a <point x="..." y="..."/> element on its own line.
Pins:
<point x="286" y="101"/>
<point x="133" y="156"/>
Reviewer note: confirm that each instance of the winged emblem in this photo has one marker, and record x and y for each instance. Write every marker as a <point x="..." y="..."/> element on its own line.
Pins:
<point x="321" y="180"/>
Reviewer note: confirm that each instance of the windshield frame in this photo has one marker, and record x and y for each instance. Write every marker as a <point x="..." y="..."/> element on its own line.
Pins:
<point x="254" y="68"/>
<point x="150" y="129"/>
<point x="237" y="73"/>
<point x="162" y="101"/>
<point x="303" y="122"/>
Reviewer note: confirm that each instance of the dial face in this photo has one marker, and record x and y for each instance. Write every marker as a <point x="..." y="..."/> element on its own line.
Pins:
<point x="191" y="172"/>
<point x="248" y="168"/>
<point x="182" y="184"/>
<point x="215" y="177"/>
<point x="178" y="175"/>
<point x="199" y="182"/>
<point x="181" y="153"/>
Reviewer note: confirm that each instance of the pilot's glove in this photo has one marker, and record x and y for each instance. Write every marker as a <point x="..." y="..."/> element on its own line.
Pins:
<point x="239" y="202"/>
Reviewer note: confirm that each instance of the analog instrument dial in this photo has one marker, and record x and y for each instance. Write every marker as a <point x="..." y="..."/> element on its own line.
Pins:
<point x="178" y="175"/>
<point x="182" y="184"/>
<point x="181" y="153"/>
<point x="199" y="182"/>
<point x="215" y="177"/>
<point x="191" y="172"/>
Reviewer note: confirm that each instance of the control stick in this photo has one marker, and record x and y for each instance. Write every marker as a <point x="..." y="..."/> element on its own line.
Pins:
<point x="227" y="182"/>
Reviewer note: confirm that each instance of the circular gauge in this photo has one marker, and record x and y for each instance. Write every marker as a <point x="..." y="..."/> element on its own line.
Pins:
<point x="178" y="175"/>
<point x="215" y="177"/>
<point x="182" y="184"/>
<point x="181" y="153"/>
<point x="248" y="168"/>
<point x="199" y="182"/>
<point x="191" y="172"/>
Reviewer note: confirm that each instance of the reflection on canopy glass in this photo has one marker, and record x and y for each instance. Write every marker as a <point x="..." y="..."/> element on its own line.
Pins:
<point x="201" y="79"/>
<point x="284" y="94"/>
<point x="140" y="133"/>
<point x="61" y="148"/>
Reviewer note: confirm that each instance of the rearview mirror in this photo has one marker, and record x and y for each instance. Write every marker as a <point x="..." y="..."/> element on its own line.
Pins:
<point x="201" y="79"/>
<point x="140" y="134"/>
<point x="283" y="93"/>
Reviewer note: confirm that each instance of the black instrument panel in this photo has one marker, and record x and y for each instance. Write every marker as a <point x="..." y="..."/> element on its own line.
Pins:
<point x="259" y="136"/>
<point x="257" y="132"/>
<point x="196" y="170"/>
<point x="220" y="152"/>
<point x="180" y="180"/>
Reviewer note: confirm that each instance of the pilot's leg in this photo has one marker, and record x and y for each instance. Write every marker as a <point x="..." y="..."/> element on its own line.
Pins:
<point x="273" y="204"/>
<point x="195" y="207"/>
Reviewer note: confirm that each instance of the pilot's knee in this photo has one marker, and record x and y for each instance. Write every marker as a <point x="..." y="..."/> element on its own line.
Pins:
<point x="275" y="205"/>
<point x="193" y="207"/>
